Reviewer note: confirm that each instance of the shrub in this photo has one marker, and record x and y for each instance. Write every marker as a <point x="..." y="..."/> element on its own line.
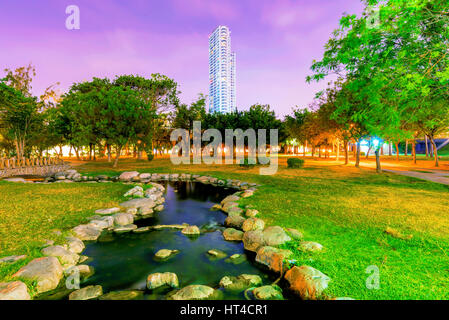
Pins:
<point x="150" y="156"/>
<point x="295" y="163"/>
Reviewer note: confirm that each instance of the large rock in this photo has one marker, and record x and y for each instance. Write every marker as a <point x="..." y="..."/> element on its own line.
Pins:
<point x="275" y="236"/>
<point x="138" y="203"/>
<point x="231" y="198"/>
<point x="253" y="224"/>
<point x="241" y="282"/>
<point x="194" y="292"/>
<point x="123" y="295"/>
<point x="295" y="234"/>
<point x="231" y="234"/>
<point x="66" y="257"/>
<point x="234" y="211"/>
<point x="252" y="240"/>
<point x="157" y="280"/>
<point x="307" y="282"/>
<point x="267" y="293"/>
<point x="273" y="258"/>
<point x="46" y="271"/>
<point x="136" y="191"/>
<point x="217" y="254"/>
<point x="86" y="233"/>
<point x="75" y="245"/>
<point x="87" y="293"/>
<point x="102" y="223"/>
<point x="128" y="176"/>
<point x="125" y="229"/>
<point x="107" y="211"/>
<point x="310" y="246"/>
<point x="12" y="259"/>
<point x="228" y="205"/>
<point x="165" y="253"/>
<point x="247" y="193"/>
<point x="191" y="230"/>
<point x="14" y="290"/>
<point x="250" y="213"/>
<point x="234" y="222"/>
<point x="123" y="219"/>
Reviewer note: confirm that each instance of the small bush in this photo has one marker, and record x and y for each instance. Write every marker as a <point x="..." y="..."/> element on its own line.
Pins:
<point x="295" y="163"/>
<point x="150" y="156"/>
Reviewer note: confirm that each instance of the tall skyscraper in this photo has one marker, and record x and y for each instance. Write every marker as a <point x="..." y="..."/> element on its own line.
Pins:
<point x="221" y="72"/>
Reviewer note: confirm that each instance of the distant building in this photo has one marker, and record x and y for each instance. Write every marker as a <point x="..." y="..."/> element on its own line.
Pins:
<point x="222" y="71"/>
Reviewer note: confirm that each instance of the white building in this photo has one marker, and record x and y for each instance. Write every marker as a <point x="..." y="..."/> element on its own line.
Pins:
<point x="221" y="72"/>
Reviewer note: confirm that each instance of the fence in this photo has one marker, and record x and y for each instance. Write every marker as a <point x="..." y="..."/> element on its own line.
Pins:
<point x="31" y="166"/>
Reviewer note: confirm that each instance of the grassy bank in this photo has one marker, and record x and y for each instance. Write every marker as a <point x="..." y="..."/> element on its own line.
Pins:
<point x="31" y="214"/>
<point x="345" y="209"/>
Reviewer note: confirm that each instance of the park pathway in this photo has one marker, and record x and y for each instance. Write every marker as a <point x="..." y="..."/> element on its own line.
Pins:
<point x="438" y="176"/>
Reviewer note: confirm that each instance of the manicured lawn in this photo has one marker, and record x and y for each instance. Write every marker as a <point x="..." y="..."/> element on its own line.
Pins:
<point x="32" y="214"/>
<point x="345" y="209"/>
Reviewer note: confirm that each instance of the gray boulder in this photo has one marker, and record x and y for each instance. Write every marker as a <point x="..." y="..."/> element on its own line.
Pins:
<point x="66" y="257"/>
<point x="87" y="293"/>
<point x="241" y="282"/>
<point x="123" y="219"/>
<point x="275" y="236"/>
<point x="253" y="224"/>
<point x="86" y="232"/>
<point x="107" y="211"/>
<point x="128" y="176"/>
<point x="194" y="292"/>
<point x="234" y="221"/>
<point x="14" y="290"/>
<point x="46" y="271"/>
<point x="157" y="280"/>
<point x="191" y="230"/>
<point x="231" y="234"/>
<point x="307" y="282"/>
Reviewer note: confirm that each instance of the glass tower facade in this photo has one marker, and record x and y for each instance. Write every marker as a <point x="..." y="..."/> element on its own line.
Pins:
<point x="222" y="70"/>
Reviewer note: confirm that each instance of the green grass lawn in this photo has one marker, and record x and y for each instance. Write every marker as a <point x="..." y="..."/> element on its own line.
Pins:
<point x="345" y="209"/>
<point x="32" y="214"/>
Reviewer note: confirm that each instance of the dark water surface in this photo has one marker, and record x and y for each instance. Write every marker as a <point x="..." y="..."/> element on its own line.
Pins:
<point x="124" y="261"/>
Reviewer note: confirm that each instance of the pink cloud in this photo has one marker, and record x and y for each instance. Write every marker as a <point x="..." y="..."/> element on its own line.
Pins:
<point x="217" y="9"/>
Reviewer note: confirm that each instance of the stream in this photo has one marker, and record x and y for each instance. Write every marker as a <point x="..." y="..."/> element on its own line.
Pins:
<point x="123" y="261"/>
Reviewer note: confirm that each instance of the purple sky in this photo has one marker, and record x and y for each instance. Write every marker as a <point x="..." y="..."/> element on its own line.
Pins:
<point x="275" y="42"/>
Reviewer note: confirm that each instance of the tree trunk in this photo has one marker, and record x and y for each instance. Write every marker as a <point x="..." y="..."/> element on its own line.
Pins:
<point x="346" y="152"/>
<point x="378" y="167"/>
<point x="396" y="144"/>
<point x="414" y="151"/>
<point x="367" y="153"/>
<point x="108" y="147"/>
<point x="435" y="151"/>
<point x="357" y="158"/>
<point x="117" y="156"/>
<point x="427" y="146"/>
<point x="338" y="150"/>
<point x="406" y="148"/>
<point x="77" y="153"/>
<point x="390" y="151"/>
<point x="319" y="152"/>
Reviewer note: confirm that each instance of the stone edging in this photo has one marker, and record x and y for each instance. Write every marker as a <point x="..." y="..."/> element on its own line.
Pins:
<point x="304" y="281"/>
